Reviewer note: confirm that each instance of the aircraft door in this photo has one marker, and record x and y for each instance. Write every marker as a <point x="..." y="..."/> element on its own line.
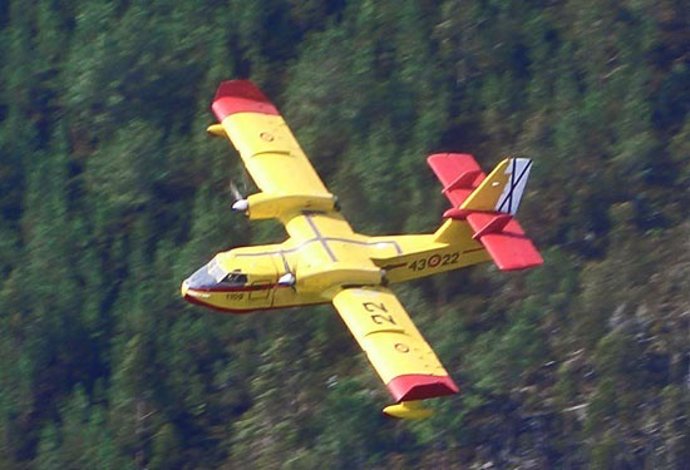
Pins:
<point x="261" y="291"/>
<point x="263" y="282"/>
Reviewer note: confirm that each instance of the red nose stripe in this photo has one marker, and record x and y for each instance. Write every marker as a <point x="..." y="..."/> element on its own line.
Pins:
<point x="238" y="288"/>
<point x="419" y="387"/>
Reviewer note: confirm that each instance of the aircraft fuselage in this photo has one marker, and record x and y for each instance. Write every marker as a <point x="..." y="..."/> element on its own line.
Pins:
<point x="322" y="253"/>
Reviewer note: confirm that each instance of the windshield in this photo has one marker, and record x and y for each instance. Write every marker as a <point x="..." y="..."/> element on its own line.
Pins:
<point x="234" y="278"/>
<point x="213" y="275"/>
<point x="215" y="271"/>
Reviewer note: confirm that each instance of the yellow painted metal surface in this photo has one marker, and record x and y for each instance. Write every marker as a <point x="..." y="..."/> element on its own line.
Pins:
<point x="216" y="130"/>
<point x="271" y="154"/>
<point x="485" y="197"/>
<point x="386" y="333"/>
<point x="408" y="410"/>
<point x="425" y="255"/>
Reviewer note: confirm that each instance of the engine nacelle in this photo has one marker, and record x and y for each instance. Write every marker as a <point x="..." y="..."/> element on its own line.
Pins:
<point x="271" y="206"/>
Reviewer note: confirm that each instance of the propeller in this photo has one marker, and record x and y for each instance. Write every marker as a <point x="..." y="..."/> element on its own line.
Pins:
<point x="241" y="203"/>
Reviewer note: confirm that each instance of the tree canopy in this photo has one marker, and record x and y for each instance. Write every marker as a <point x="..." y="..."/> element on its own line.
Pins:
<point x="110" y="194"/>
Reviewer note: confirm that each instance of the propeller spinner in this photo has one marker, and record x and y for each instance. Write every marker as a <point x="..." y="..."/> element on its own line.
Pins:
<point x="241" y="203"/>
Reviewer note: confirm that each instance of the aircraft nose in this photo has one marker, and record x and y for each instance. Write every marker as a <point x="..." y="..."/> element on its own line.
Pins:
<point x="197" y="286"/>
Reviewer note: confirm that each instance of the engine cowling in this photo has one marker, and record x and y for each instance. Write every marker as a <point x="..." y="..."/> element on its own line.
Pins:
<point x="271" y="206"/>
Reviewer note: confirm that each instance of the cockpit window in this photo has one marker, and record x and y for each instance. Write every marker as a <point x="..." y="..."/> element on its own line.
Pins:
<point x="234" y="279"/>
<point x="213" y="274"/>
<point x="216" y="271"/>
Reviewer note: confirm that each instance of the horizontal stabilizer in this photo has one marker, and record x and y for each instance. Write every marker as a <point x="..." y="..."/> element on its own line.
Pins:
<point x="459" y="174"/>
<point x="504" y="240"/>
<point x="496" y="224"/>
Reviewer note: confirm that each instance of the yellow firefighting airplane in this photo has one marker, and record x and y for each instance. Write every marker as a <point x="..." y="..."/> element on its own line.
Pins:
<point x="324" y="260"/>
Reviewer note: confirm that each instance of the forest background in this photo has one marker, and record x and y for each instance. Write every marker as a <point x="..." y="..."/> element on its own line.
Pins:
<point x="111" y="194"/>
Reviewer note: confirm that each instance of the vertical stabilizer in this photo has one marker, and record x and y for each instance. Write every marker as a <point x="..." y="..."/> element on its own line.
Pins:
<point x="502" y="190"/>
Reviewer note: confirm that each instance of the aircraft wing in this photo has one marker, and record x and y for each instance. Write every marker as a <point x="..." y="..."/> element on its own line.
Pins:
<point x="268" y="148"/>
<point x="403" y="359"/>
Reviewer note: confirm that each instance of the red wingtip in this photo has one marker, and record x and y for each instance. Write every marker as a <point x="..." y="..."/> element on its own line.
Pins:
<point x="240" y="96"/>
<point x="419" y="387"/>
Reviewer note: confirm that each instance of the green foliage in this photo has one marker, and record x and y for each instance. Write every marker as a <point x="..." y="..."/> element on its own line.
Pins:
<point x="501" y="359"/>
<point x="603" y="453"/>
<point x="110" y="194"/>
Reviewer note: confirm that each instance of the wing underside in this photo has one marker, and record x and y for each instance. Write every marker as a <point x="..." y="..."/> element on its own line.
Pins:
<point x="268" y="148"/>
<point x="402" y="358"/>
